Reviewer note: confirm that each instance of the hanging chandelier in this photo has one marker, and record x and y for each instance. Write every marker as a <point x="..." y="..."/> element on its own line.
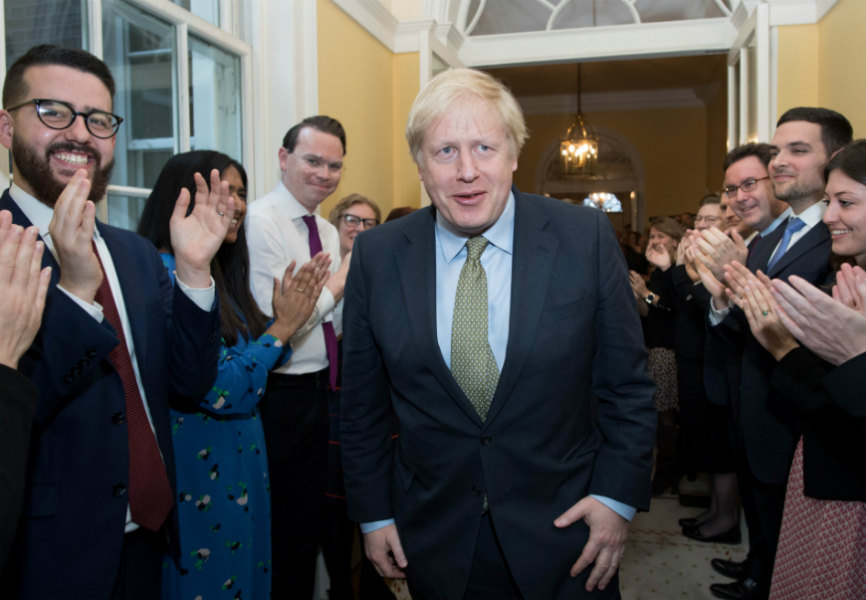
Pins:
<point x="579" y="146"/>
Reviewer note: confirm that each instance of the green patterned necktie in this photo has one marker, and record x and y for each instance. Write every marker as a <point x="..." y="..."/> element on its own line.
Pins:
<point x="472" y="362"/>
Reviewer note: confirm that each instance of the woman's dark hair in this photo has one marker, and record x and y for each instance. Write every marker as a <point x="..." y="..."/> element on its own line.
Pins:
<point x="851" y="160"/>
<point x="231" y="265"/>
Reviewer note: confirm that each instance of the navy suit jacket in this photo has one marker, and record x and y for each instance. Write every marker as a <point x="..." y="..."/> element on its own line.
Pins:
<point x="574" y="335"/>
<point x="74" y="515"/>
<point x="770" y="428"/>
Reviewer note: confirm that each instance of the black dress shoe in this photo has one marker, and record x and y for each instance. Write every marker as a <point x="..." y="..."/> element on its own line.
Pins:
<point x="729" y="568"/>
<point x="731" y="536"/>
<point x="688" y="522"/>
<point x="747" y="589"/>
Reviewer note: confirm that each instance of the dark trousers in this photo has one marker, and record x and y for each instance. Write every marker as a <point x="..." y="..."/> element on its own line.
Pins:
<point x="490" y="577"/>
<point x="139" y="576"/>
<point x="295" y="419"/>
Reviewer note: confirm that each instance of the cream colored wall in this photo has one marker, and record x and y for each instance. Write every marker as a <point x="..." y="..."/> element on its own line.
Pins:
<point x="825" y="64"/>
<point x="672" y="144"/>
<point x="369" y="89"/>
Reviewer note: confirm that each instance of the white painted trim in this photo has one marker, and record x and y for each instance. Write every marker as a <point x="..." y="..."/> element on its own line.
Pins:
<point x="620" y="41"/>
<point x="798" y="12"/>
<point x="406" y="37"/>
<point x="196" y="25"/>
<point x="762" y="64"/>
<point x="182" y="63"/>
<point x="732" y="107"/>
<point x="744" y="96"/>
<point x="373" y="17"/>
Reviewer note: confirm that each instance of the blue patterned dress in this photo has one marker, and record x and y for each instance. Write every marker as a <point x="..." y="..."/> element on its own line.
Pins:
<point x="223" y="491"/>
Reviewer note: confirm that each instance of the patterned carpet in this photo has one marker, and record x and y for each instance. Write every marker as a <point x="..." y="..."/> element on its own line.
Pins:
<point x="662" y="564"/>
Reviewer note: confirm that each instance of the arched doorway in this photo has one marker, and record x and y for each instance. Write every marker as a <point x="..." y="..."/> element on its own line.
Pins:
<point x="620" y="172"/>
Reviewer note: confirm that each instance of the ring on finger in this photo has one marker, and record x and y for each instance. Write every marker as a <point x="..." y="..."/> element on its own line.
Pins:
<point x="299" y="290"/>
<point x="220" y="213"/>
<point x="765" y="312"/>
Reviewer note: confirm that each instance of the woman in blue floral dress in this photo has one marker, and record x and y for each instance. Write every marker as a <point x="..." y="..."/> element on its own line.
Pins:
<point x="222" y="470"/>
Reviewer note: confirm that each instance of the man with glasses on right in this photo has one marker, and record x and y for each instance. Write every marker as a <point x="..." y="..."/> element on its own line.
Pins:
<point x="804" y="141"/>
<point x="283" y="227"/>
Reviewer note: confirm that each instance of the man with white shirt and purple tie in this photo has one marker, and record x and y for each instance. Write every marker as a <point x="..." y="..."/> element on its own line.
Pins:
<point x="283" y="227"/>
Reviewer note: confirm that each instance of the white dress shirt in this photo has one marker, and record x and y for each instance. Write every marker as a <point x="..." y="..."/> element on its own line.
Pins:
<point x="277" y="235"/>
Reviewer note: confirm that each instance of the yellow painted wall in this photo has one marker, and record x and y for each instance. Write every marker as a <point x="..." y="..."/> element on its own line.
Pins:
<point x="672" y="144"/>
<point x="355" y="87"/>
<point x="825" y="64"/>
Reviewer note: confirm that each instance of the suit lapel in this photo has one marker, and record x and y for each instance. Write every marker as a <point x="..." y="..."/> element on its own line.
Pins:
<point x="416" y="265"/>
<point x="760" y="256"/>
<point x="816" y="236"/>
<point x="531" y="266"/>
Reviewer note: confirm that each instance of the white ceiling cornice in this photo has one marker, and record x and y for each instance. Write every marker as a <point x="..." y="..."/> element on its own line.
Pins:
<point x="645" y="40"/>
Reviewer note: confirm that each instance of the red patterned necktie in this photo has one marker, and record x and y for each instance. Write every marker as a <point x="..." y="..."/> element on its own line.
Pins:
<point x="150" y="497"/>
<point x="327" y="327"/>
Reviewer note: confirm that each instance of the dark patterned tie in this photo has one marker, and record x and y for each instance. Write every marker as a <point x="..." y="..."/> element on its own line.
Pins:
<point x="472" y="361"/>
<point x="327" y="327"/>
<point x="150" y="498"/>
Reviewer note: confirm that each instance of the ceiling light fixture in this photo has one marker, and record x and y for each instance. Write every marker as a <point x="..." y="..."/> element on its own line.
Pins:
<point x="579" y="146"/>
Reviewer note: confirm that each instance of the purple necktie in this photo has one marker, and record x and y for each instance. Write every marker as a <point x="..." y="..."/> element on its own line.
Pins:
<point x="327" y="326"/>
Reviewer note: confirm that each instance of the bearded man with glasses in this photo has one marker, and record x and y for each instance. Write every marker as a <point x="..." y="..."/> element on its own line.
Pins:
<point x="116" y="341"/>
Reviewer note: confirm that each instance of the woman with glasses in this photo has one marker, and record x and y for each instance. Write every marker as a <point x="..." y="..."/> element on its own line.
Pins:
<point x="223" y="500"/>
<point x="819" y="343"/>
<point x="352" y="215"/>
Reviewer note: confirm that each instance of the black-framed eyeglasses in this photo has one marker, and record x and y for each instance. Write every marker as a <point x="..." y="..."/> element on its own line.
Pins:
<point x="353" y="221"/>
<point x="58" y="114"/>
<point x="317" y="162"/>
<point x="747" y="185"/>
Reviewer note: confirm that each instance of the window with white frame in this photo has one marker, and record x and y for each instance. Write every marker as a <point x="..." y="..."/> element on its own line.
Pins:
<point x="178" y="74"/>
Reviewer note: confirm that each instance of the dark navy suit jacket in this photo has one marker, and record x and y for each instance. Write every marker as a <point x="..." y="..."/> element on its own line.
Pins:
<point x="769" y="426"/>
<point x="574" y="334"/>
<point x="74" y="515"/>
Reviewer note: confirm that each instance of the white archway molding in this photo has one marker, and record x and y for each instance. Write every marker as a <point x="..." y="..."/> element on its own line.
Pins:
<point x="628" y="179"/>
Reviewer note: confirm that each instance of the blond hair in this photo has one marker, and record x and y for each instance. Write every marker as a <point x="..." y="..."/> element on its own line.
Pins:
<point x="445" y="89"/>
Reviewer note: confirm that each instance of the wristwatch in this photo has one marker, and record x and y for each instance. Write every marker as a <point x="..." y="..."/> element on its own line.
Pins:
<point x="649" y="298"/>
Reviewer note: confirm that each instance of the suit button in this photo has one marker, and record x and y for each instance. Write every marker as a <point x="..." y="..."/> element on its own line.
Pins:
<point x="486" y="439"/>
<point x="119" y="490"/>
<point x="118" y="418"/>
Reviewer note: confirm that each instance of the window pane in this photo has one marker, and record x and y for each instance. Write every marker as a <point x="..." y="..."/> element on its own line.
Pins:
<point x="215" y="99"/>
<point x="209" y="10"/>
<point x="140" y="50"/>
<point x="124" y="211"/>
<point x="32" y="22"/>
